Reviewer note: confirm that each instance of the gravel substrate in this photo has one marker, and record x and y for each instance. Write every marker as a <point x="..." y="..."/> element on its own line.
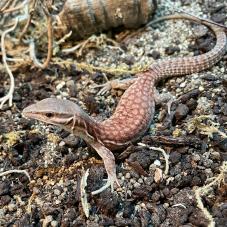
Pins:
<point x="57" y="160"/>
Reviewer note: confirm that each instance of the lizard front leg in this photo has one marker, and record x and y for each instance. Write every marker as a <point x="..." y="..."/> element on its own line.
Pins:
<point x="115" y="84"/>
<point x="109" y="163"/>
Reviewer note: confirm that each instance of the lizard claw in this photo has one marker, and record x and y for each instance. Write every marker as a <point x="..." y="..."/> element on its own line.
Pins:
<point x="105" y="88"/>
<point x="110" y="183"/>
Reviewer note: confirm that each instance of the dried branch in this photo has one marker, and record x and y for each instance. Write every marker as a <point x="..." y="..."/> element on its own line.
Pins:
<point x="31" y="11"/>
<point x="50" y="46"/>
<point x="16" y="8"/>
<point x="9" y="96"/>
<point x="4" y="7"/>
<point x="15" y="171"/>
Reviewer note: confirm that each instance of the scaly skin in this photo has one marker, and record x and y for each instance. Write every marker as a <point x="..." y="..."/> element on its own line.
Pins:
<point x="135" y="110"/>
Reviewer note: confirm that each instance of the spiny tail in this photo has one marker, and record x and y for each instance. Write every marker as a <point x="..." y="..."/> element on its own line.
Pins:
<point x="187" y="65"/>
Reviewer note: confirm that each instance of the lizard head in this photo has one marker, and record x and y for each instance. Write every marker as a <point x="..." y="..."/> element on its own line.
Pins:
<point x="63" y="113"/>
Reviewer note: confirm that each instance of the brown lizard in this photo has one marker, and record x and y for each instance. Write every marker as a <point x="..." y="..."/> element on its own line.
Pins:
<point x="135" y="109"/>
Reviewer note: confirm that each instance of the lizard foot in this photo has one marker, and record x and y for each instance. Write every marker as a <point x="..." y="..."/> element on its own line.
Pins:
<point x="110" y="183"/>
<point x="115" y="84"/>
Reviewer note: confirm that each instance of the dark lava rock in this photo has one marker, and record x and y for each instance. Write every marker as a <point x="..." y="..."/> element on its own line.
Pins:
<point x="128" y="209"/>
<point x="197" y="218"/>
<point x="144" y="157"/>
<point x="219" y="18"/>
<point x="108" y="203"/>
<point x="4" y="188"/>
<point x="142" y="192"/>
<point x="154" y="54"/>
<point x="171" y="50"/>
<point x="129" y="60"/>
<point x="158" y="214"/>
<point x="192" y="104"/>
<point x="181" y="112"/>
<point x="175" y="157"/>
<point x="71" y="141"/>
<point x="91" y="104"/>
<point x="5" y="199"/>
<point x="70" y="158"/>
<point x="155" y="196"/>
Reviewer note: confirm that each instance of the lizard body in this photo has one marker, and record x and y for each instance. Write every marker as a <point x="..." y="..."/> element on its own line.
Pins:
<point x="135" y="109"/>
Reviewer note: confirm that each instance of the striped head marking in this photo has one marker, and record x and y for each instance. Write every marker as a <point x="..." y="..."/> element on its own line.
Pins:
<point x="63" y="113"/>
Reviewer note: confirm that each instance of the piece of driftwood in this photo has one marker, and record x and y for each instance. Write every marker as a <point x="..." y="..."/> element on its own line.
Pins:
<point x="87" y="17"/>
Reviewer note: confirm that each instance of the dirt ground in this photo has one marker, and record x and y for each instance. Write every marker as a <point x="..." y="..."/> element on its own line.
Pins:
<point x="57" y="160"/>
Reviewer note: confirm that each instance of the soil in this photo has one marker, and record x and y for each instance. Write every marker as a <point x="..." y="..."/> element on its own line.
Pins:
<point x="57" y="160"/>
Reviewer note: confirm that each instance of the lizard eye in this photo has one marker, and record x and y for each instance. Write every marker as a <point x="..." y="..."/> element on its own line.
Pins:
<point x="49" y="115"/>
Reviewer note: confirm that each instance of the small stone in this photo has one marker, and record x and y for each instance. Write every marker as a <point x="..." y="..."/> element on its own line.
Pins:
<point x="12" y="207"/>
<point x="71" y="141"/>
<point x="54" y="223"/>
<point x="201" y="88"/>
<point x="175" y="157"/>
<point x="157" y="163"/>
<point x="57" y="192"/>
<point x="140" y="180"/>
<point x="196" y="157"/>
<point x="57" y="202"/>
<point x="71" y="87"/>
<point x="183" y="84"/>
<point x="155" y="196"/>
<point x="181" y="111"/>
<point x="218" y="17"/>
<point x="62" y="144"/>
<point x="154" y="54"/>
<point x="127" y="175"/>
<point x="137" y="184"/>
<point x="60" y="86"/>
<point x="171" y="50"/>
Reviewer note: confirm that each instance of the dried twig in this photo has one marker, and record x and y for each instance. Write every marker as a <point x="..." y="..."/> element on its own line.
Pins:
<point x="50" y="46"/>
<point x="9" y="96"/>
<point x="162" y="151"/>
<point x="16" y="8"/>
<point x="15" y="171"/>
<point x="4" y="7"/>
<point x="205" y="189"/>
<point x="28" y="20"/>
<point x="83" y="194"/>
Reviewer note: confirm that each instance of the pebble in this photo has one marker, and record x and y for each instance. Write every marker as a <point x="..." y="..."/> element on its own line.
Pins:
<point x="196" y="157"/>
<point x="60" y="85"/>
<point x="171" y="50"/>
<point x="72" y="88"/>
<point x="12" y="207"/>
<point x="175" y="157"/>
<point x="71" y="141"/>
<point x="127" y="175"/>
<point x="57" y="202"/>
<point x="62" y="144"/>
<point x="54" y="223"/>
<point x="137" y="184"/>
<point x="140" y="180"/>
<point x="182" y="85"/>
<point x="181" y="111"/>
<point x="154" y="54"/>
<point x="57" y="192"/>
<point x="218" y="18"/>
<point x="201" y="88"/>
<point x="157" y="162"/>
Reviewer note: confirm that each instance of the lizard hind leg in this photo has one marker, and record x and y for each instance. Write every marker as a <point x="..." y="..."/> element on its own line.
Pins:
<point x="109" y="163"/>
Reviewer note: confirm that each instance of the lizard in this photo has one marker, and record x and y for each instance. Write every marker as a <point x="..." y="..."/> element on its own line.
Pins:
<point x="135" y="110"/>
